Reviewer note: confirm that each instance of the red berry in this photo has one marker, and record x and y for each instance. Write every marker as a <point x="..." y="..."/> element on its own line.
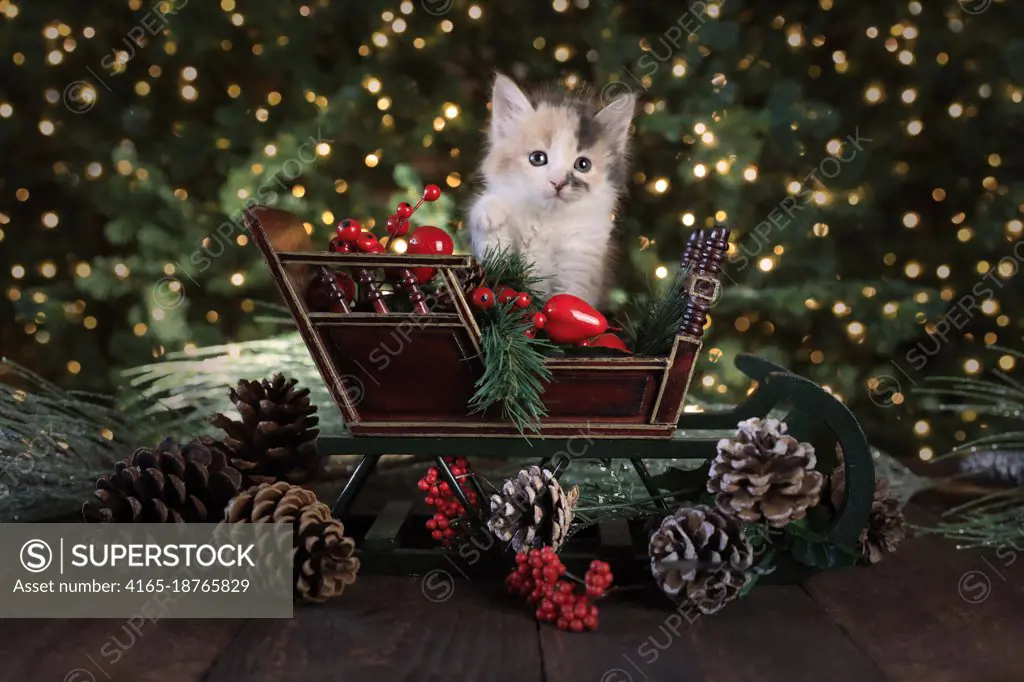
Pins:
<point x="442" y="523"/>
<point x="431" y="193"/>
<point x="431" y="524"/>
<point x="576" y="625"/>
<point x="436" y="535"/>
<point x="562" y="624"/>
<point x="444" y="487"/>
<point x="482" y="298"/>
<point x="590" y="622"/>
<point x="428" y="500"/>
<point x="349" y="229"/>
<point x="581" y="610"/>
<point x="505" y="294"/>
<point x="448" y="532"/>
<point x="539" y="320"/>
<point x="404" y="210"/>
<point x="531" y="333"/>
<point x="423" y="485"/>
<point x="366" y="241"/>
<point x="523" y="300"/>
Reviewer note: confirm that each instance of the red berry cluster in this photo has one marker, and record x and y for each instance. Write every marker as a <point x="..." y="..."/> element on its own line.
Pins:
<point x="484" y="298"/>
<point x="598" y="578"/>
<point x="538" y="578"/>
<point x="352" y="237"/>
<point x="440" y="495"/>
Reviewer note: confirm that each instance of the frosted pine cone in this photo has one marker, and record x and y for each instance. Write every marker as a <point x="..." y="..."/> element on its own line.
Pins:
<point x="532" y="510"/>
<point x="762" y="473"/>
<point x="701" y="557"/>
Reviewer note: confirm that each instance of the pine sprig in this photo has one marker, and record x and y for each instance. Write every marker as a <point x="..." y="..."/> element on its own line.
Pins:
<point x="514" y="369"/>
<point x="655" y="330"/>
<point x="505" y="267"/>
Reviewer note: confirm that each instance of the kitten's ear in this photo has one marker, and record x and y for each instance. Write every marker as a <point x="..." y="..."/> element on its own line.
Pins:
<point x="508" y="106"/>
<point x="616" y="117"/>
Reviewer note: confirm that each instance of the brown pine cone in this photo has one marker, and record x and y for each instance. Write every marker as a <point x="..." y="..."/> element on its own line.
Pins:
<point x="275" y="440"/>
<point x="532" y="510"/>
<point x="325" y="561"/>
<point x="762" y="473"/>
<point x="886" y="526"/>
<point x="468" y="279"/>
<point x="701" y="558"/>
<point x="166" y="484"/>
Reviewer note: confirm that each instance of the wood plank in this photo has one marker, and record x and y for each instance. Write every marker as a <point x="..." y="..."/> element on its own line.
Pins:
<point x="392" y="628"/>
<point x="112" y="650"/>
<point x="620" y="650"/>
<point x="776" y="633"/>
<point x="929" y="612"/>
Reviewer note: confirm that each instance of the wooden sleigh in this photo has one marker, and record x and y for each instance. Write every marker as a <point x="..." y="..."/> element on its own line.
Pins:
<point x="402" y="380"/>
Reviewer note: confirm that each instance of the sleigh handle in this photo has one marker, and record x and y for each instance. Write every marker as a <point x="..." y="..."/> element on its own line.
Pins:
<point x="703" y="256"/>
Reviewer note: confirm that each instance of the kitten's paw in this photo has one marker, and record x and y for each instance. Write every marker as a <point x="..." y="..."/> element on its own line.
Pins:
<point x="491" y="214"/>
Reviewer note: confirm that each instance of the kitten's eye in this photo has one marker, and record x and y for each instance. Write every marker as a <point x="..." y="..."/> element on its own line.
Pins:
<point x="582" y="164"/>
<point x="538" y="158"/>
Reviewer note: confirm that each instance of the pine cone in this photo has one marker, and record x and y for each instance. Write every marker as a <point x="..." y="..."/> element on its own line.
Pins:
<point x="166" y="484"/>
<point x="701" y="557"/>
<point x="762" y="473"/>
<point x="325" y="561"/>
<point x="886" y="528"/>
<point x="532" y="510"/>
<point x="468" y="279"/>
<point x="275" y="440"/>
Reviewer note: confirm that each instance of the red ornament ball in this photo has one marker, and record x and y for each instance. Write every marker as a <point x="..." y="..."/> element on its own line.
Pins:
<point x="523" y="300"/>
<point x="396" y="226"/>
<point x="404" y="210"/>
<point x="540" y="320"/>
<point x="428" y="240"/>
<point x="482" y="298"/>
<point x="349" y="230"/>
<point x="531" y="333"/>
<point x="431" y="193"/>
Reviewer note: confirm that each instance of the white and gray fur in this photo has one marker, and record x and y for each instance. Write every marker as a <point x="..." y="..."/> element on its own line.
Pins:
<point x="557" y="214"/>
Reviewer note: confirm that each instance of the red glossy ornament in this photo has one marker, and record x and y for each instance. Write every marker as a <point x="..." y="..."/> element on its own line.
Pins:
<point x="404" y="210"/>
<point x="539" y="320"/>
<point x="349" y="230"/>
<point x="585" y="343"/>
<point x="482" y="298"/>
<point x="367" y="241"/>
<point x="505" y="294"/>
<point x="531" y="333"/>
<point x="431" y="193"/>
<point x="570" y="319"/>
<point x="428" y="240"/>
<point x="377" y="247"/>
<point x="609" y="340"/>
<point x="523" y="300"/>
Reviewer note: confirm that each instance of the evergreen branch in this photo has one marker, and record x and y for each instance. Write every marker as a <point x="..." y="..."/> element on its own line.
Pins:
<point x="504" y="267"/>
<point x="655" y="331"/>
<point x="514" y="369"/>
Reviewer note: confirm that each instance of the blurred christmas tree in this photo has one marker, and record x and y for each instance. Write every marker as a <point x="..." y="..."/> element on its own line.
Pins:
<point x="860" y="152"/>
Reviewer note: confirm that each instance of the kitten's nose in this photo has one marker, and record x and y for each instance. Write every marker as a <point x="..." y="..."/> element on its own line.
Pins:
<point x="559" y="185"/>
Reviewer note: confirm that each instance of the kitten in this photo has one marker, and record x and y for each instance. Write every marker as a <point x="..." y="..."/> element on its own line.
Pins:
<point x="553" y="175"/>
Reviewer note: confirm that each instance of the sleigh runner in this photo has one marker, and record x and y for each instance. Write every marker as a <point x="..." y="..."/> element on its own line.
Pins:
<point x="401" y="362"/>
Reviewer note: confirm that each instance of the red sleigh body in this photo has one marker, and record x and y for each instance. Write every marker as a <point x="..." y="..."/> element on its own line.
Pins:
<point x="413" y="373"/>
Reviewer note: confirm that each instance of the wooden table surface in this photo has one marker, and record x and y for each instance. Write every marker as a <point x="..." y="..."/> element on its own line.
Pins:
<point x="929" y="614"/>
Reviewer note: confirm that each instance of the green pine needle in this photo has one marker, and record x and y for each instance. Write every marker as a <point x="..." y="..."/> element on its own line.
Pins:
<point x="506" y="267"/>
<point x="514" y="369"/>
<point x="656" y="330"/>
